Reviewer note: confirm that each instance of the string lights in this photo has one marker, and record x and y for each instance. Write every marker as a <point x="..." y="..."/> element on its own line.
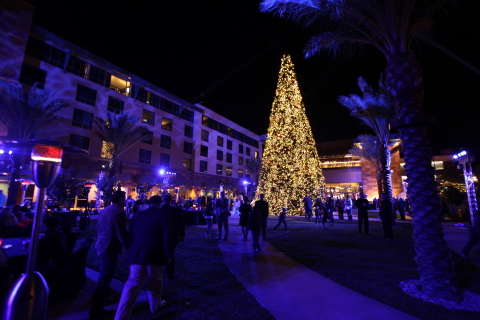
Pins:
<point x="290" y="165"/>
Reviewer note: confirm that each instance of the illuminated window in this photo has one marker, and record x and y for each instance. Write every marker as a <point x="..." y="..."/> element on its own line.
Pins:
<point x="255" y="154"/>
<point x="228" y="171"/>
<point x="115" y="105"/>
<point x="240" y="161"/>
<point x="219" y="169"/>
<point x="219" y="141"/>
<point x="438" y="165"/>
<point x="148" y="117"/>
<point x="240" y="173"/>
<point x="120" y="85"/>
<point x="144" y="156"/>
<point x="247" y="174"/>
<point x="167" y="124"/>
<point x="187" y="164"/>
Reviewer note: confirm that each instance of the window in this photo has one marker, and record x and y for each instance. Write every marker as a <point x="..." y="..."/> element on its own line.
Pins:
<point x="30" y="75"/>
<point x="86" y="95"/>
<point x="79" y="141"/>
<point x="115" y="105"/>
<point x="167" y="124"/>
<point x="82" y="119"/>
<point x="187" y="147"/>
<point x="219" y="169"/>
<point x="77" y="66"/>
<point x="240" y="173"/>
<point x="204" y="151"/>
<point x="148" y="117"/>
<point x="144" y="156"/>
<point x="229" y="144"/>
<point x="247" y="174"/>
<point x="120" y="85"/>
<point x="164" y="160"/>
<point x="187" y="164"/>
<point x="228" y="171"/>
<point x="99" y="76"/>
<point x="240" y="161"/>
<point x="255" y="154"/>
<point x="165" y="141"/>
<point x="204" y="136"/>
<point x="203" y="166"/>
<point x="148" y="138"/>
<point x="229" y="158"/>
<point x="45" y="52"/>
<point x="188" y="132"/>
<point x="240" y="148"/>
<point x="220" y="155"/>
<point x="219" y="141"/>
<point x="247" y="151"/>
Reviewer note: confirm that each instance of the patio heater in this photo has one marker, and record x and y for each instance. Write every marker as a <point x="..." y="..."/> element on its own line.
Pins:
<point x="465" y="163"/>
<point x="28" y="298"/>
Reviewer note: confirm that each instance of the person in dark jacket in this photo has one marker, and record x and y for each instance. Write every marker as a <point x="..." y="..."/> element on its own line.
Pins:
<point x="150" y="249"/>
<point x="245" y="210"/>
<point x="262" y="207"/>
<point x="255" y="222"/>
<point x="362" y="205"/>
<point x="177" y="230"/>
<point x="282" y="219"/>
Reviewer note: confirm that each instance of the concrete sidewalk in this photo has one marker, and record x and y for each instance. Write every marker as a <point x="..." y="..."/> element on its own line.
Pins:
<point x="278" y="283"/>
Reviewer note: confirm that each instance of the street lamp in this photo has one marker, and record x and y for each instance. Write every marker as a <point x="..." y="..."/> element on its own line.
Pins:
<point x="28" y="299"/>
<point x="465" y="162"/>
<point x="166" y="175"/>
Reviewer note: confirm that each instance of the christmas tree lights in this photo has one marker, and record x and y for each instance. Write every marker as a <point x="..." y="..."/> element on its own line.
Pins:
<point x="290" y="165"/>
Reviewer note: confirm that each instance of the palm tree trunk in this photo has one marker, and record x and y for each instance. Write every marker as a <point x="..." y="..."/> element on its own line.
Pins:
<point x="14" y="185"/>
<point x="387" y="179"/>
<point x="437" y="272"/>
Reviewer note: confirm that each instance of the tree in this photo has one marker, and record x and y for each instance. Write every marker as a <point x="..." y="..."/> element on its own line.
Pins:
<point x="376" y="110"/>
<point x="24" y="113"/>
<point x="254" y="165"/>
<point x="118" y="133"/>
<point x="391" y="26"/>
<point x="65" y="187"/>
<point x="290" y="165"/>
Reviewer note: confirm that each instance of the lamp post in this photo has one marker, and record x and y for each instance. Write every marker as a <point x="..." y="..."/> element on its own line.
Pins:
<point x="465" y="162"/>
<point x="28" y="298"/>
<point x="166" y="175"/>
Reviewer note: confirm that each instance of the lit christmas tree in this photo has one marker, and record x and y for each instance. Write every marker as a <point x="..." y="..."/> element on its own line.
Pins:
<point x="290" y="165"/>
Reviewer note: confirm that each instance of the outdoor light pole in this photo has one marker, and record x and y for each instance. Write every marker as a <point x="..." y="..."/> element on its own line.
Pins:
<point x="465" y="161"/>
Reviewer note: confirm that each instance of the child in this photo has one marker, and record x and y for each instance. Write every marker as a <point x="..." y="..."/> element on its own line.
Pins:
<point x="281" y="218"/>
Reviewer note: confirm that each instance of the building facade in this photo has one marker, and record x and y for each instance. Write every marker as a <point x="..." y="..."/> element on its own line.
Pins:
<point x="199" y="150"/>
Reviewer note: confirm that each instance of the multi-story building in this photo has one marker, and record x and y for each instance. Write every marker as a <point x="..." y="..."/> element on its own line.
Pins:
<point x="199" y="149"/>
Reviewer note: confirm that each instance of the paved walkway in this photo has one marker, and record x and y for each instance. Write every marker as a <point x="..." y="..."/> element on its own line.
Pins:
<point x="279" y="284"/>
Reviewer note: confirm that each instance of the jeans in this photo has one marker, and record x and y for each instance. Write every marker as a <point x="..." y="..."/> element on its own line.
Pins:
<point x="222" y="221"/>
<point x="362" y="218"/>
<point x="108" y="264"/>
<point x="134" y="285"/>
<point x="209" y="223"/>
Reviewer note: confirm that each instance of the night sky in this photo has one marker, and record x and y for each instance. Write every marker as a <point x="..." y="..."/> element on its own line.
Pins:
<point x="226" y="54"/>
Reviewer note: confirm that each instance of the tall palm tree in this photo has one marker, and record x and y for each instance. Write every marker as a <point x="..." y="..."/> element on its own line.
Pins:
<point x="391" y="26"/>
<point x="376" y="110"/>
<point x="24" y="113"/>
<point x="118" y="133"/>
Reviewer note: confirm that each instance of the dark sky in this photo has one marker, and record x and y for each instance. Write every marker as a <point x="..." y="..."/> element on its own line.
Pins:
<point x="226" y="54"/>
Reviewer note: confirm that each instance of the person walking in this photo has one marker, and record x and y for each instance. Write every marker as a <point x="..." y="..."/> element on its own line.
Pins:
<point x="362" y="205"/>
<point x="340" y="204"/>
<point x="307" y="205"/>
<point x="150" y="250"/>
<point x="112" y="237"/>
<point x="319" y="208"/>
<point x="330" y="206"/>
<point x="245" y="211"/>
<point x="208" y="218"/>
<point x="222" y="216"/>
<point x="282" y="219"/>
<point x="262" y="207"/>
<point x="401" y="207"/>
<point x="348" y="208"/>
<point x="255" y="223"/>
<point x="129" y="203"/>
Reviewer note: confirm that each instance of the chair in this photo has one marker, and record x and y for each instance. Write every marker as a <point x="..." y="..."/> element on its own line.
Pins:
<point x="67" y="282"/>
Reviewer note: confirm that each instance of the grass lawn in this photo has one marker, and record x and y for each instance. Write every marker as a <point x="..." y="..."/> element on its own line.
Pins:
<point x="371" y="265"/>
